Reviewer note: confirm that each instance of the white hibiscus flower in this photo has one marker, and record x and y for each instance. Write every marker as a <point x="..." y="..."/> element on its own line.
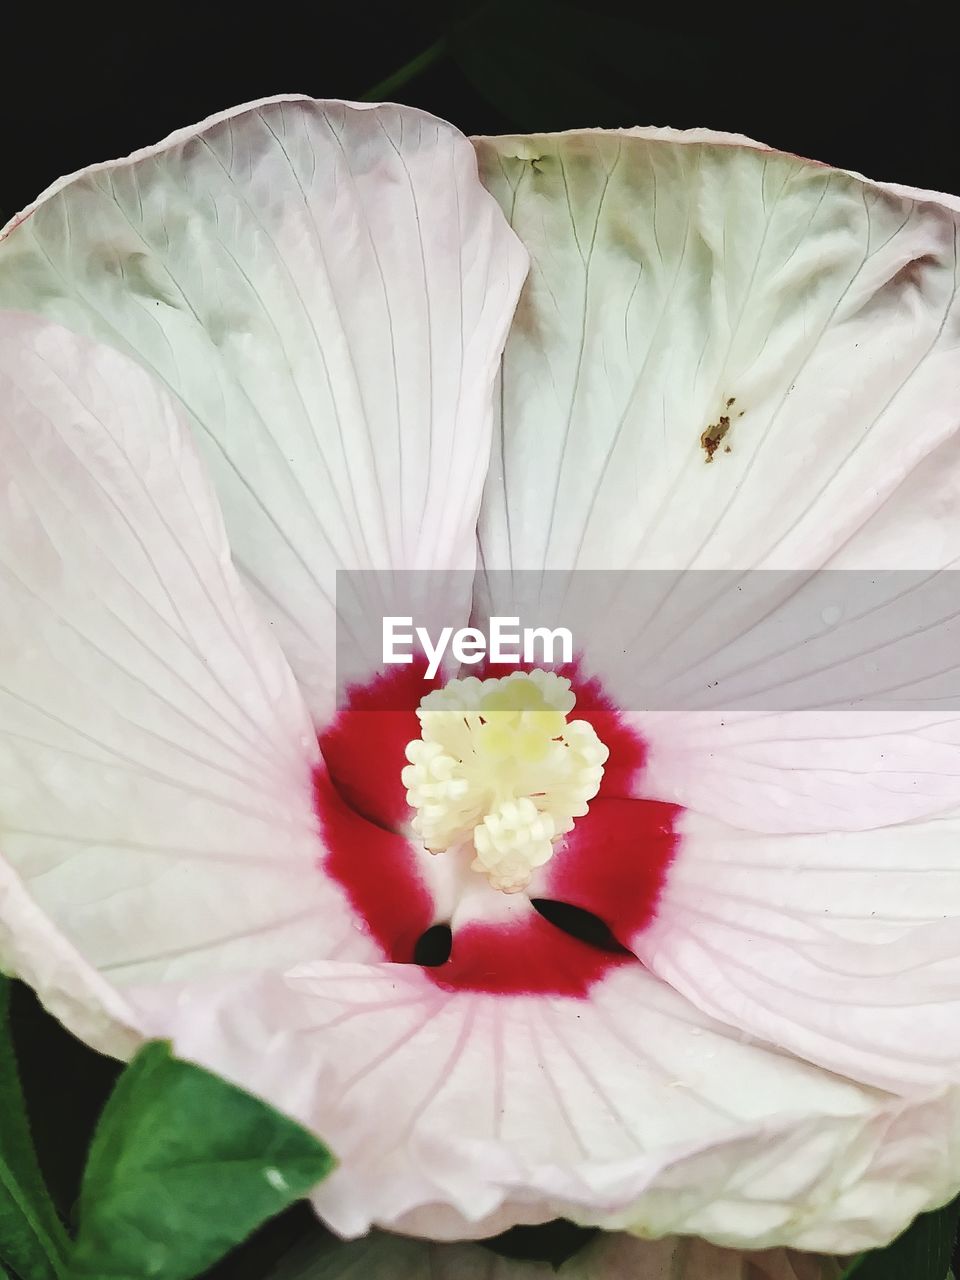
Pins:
<point x="301" y="337"/>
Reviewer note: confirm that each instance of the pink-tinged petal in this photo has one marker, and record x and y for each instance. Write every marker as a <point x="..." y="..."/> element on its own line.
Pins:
<point x="804" y="772"/>
<point x="327" y="288"/>
<point x="840" y="947"/>
<point x="455" y="1115"/>
<point x="675" y="284"/>
<point x="156" y="759"/>
<point x="610" y="1256"/>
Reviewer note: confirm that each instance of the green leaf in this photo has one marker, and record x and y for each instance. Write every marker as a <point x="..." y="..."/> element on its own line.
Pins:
<point x="923" y="1252"/>
<point x="183" y="1167"/>
<point x="33" y="1242"/>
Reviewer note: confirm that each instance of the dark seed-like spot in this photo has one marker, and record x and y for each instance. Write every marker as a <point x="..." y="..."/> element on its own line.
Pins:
<point x="580" y="924"/>
<point x="433" y="946"/>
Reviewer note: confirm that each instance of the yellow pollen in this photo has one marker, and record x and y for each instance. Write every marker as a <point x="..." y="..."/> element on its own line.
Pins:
<point x="500" y="770"/>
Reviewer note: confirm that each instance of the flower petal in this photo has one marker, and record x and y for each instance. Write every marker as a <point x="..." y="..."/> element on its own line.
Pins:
<point x="690" y="296"/>
<point x="610" y="1256"/>
<point x="679" y="283"/>
<point x="156" y="758"/>
<point x="840" y="947"/>
<point x="724" y="357"/>
<point x="800" y="772"/>
<point x="458" y="1115"/>
<point x="326" y="287"/>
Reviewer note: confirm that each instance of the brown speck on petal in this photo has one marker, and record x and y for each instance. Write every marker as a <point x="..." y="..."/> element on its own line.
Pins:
<point x="712" y="438"/>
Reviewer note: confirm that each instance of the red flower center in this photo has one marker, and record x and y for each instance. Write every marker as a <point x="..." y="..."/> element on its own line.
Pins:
<point x="612" y="865"/>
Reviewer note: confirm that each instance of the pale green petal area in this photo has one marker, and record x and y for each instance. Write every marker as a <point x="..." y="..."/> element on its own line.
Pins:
<point x="326" y="288"/>
<point x="724" y="356"/>
<point x="610" y="1256"/>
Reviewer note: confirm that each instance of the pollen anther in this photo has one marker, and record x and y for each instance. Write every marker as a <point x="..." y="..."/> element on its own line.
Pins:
<point x="500" y="770"/>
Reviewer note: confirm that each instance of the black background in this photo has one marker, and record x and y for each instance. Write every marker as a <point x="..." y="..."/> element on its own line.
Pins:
<point x="86" y="84"/>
